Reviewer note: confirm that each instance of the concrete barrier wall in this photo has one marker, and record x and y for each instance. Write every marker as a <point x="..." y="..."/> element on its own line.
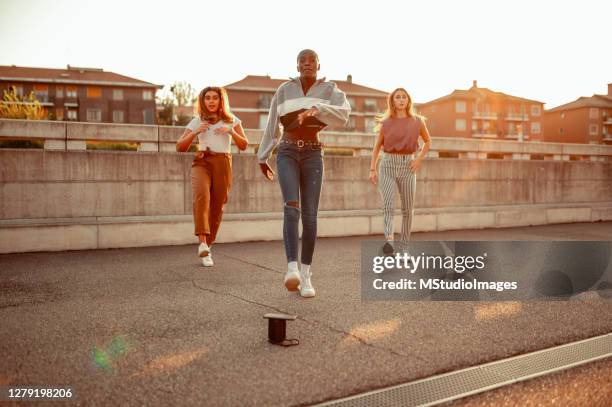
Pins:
<point x="38" y="184"/>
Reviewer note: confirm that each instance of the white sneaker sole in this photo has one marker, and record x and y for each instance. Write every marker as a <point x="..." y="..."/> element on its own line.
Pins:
<point x="308" y="294"/>
<point x="208" y="264"/>
<point x="292" y="283"/>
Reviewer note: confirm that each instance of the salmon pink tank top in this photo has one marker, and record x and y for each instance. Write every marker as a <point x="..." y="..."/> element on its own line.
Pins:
<point x="401" y="135"/>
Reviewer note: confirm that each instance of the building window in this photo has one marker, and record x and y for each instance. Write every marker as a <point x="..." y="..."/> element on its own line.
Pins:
<point x="71" y="114"/>
<point x="563" y="115"/>
<point x="59" y="114"/>
<point x="460" y="106"/>
<point x="535" y="110"/>
<point x="147" y="95"/>
<point x="370" y="105"/>
<point x="59" y="92"/>
<point x="593" y="129"/>
<point x="94" y="92"/>
<point x="474" y="125"/>
<point x="352" y="103"/>
<point x="147" y="116"/>
<point x="42" y="93"/>
<point x="17" y="89"/>
<point x="351" y="123"/>
<point x="593" y="113"/>
<point x="460" y="124"/>
<point x="370" y="123"/>
<point x="117" y="94"/>
<point x="263" y="121"/>
<point x="511" y="128"/>
<point x="561" y="130"/>
<point x="118" y="116"/>
<point x="71" y="92"/>
<point x="264" y="101"/>
<point x="535" y="128"/>
<point x="94" y="115"/>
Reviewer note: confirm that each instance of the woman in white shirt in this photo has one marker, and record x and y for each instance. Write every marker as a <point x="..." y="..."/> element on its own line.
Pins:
<point x="211" y="171"/>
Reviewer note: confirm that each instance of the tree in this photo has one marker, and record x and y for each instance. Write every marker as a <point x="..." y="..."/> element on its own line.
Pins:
<point x="172" y="101"/>
<point x="164" y="115"/>
<point x="13" y="106"/>
<point x="184" y="94"/>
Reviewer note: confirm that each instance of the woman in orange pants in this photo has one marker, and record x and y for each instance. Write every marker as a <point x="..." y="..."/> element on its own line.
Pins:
<point x="211" y="171"/>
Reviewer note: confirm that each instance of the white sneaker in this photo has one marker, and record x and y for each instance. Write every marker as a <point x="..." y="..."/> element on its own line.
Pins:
<point x="292" y="279"/>
<point x="208" y="261"/>
<point x="306" y="288"/>
<point x="203" y="250"/>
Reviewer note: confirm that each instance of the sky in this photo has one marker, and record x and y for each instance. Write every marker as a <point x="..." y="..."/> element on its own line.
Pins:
<point x="551" y="51"/>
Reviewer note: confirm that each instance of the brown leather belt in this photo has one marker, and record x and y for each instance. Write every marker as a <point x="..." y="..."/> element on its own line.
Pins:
<point x="209" y="153"/>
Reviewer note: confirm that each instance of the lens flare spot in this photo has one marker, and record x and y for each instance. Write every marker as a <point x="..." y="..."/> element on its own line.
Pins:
<point x="170" y="363"/>
<point x="106" y="357"/>
<point x="373" y="332"/>
<point x="485" y="312"/>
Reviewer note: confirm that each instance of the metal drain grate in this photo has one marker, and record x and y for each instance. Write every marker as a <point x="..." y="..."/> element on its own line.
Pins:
<point x="465" y="382"/>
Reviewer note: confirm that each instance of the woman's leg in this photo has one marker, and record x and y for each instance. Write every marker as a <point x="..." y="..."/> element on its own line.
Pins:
<point x="200" y="187"/>
<point x="386" y="187"/>
<point x="221" y="175"/>
<point x="289" y="179"/>
<point x="311" y="180"/>
<point x="407" y="188"/>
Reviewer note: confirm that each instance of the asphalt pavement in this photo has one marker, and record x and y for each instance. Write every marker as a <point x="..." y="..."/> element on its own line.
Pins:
<point x="151" y="326"/>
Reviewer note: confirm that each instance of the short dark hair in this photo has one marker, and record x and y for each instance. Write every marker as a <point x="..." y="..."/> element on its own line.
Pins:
<point x="307" y="51"/>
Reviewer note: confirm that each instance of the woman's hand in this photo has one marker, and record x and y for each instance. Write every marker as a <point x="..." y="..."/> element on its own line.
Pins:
<point x="307" y="113"/>
<point x="415" y="165"/>
<point x="202" y="128"/>
<point x="267" y="171"/>
<point x="373" y="177"/>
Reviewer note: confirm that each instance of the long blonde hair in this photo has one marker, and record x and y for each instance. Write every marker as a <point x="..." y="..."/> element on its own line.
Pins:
<point x="391" y="111"/>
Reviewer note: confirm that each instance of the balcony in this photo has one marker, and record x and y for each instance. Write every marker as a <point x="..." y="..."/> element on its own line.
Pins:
<point x="517" y="117"/>
<point x="607" y="121"/>
<point x="485" y="115"/>
<point x="516" y="136"/>
<point x="483" y="134"/>
<point x="43" y="99"/>
<point x="71" y="102"/>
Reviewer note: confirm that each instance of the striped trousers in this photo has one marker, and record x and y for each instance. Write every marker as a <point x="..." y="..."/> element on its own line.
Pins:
<point x="394" y="171"/>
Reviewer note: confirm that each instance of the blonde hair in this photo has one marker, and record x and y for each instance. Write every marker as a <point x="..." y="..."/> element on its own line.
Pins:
<point x="392" y="112"/>
<point x="224" y="112"/>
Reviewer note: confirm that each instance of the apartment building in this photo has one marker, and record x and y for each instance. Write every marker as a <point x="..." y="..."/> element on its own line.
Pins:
<point x="251" y="96"/>
<point x="485" y="114"/>
<point x="84" y="94"/>
<point x="585" y="120"/>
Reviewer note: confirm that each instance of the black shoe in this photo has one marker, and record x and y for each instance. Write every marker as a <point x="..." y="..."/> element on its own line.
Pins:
<point x="388" y="249"/>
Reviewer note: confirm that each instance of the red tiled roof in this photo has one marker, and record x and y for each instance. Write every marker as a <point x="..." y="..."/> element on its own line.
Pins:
<point x="74" y="75"/>
<point x="585" y="101"/>
<point x="478" y="93"/>
<point x="270" y="84"/>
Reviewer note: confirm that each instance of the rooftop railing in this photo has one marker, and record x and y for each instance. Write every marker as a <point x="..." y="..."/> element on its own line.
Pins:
<point x="78" y="136"/>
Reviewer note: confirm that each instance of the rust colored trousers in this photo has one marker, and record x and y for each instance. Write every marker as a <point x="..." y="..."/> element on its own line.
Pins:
<point x="211" y="180"/>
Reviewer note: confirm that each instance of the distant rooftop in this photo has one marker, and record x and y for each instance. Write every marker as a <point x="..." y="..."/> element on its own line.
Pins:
<point x="268" y="84"/>
<point x="476" y="93"/>
<point x="70" y="75"/>
<point x="604" y="101"/>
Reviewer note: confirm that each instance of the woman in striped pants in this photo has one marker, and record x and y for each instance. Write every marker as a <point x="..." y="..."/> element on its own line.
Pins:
<point x="399" y="129"/>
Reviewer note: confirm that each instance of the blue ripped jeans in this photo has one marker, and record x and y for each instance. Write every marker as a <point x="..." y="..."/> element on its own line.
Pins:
<point x="300" y="175"/>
